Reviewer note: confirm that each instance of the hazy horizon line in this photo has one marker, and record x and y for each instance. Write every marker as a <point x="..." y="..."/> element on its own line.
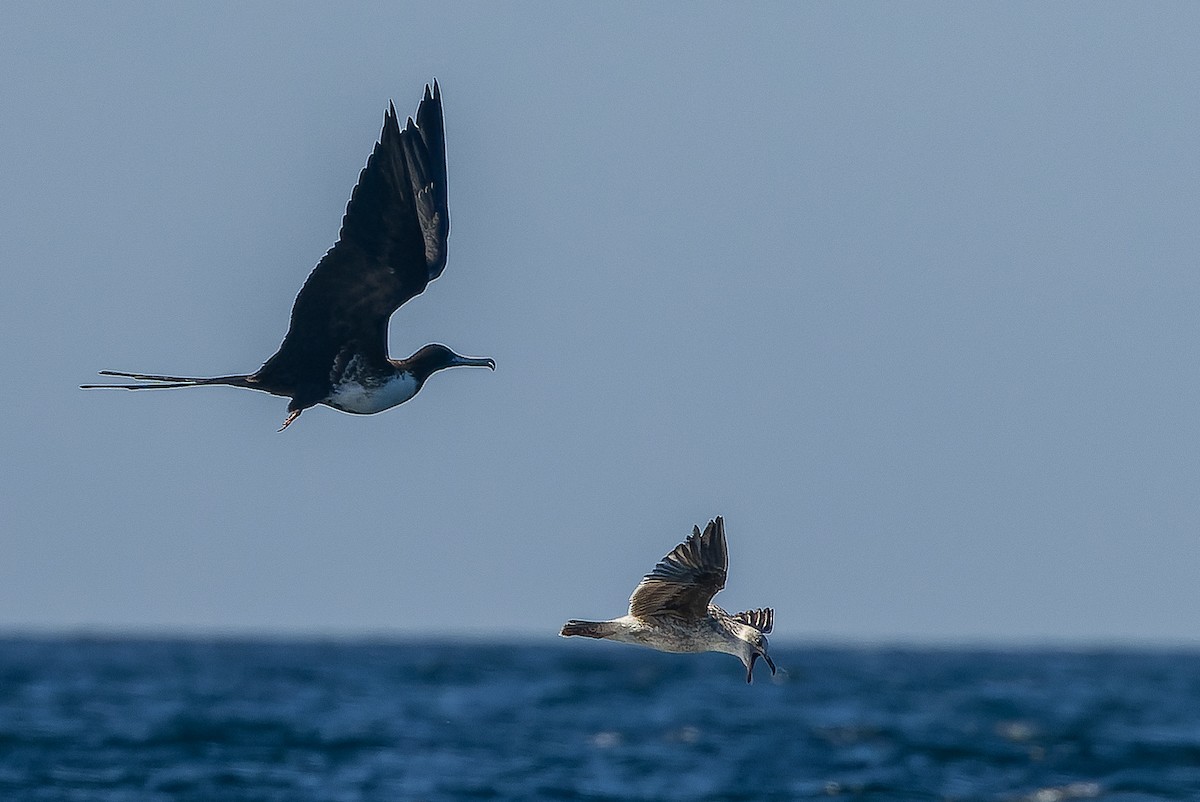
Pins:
<point x="299" y="635"/>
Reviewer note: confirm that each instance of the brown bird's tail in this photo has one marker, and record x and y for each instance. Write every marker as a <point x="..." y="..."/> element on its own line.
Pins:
<point x="156" y="382"/>
<point x="588" y="629"/>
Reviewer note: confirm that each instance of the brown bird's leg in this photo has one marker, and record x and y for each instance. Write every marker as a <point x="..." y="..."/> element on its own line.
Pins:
<point x="295" y="413"/>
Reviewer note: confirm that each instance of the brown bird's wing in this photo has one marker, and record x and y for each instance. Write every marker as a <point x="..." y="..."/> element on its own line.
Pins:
<point x="684" y="582"/>
<point x="762" y="619"/>
<point x="392" y="244"/>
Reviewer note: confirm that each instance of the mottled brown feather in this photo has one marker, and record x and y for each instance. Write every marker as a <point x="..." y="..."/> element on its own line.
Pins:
<point x="685" y="581"/>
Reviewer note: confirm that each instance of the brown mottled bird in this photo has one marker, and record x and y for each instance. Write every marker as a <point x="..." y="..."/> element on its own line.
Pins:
<point x="671" y="609"/>
<point x="392" y="244"/>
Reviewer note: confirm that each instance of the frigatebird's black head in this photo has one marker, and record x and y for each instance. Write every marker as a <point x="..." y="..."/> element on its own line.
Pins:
<point x="429" y="359"/>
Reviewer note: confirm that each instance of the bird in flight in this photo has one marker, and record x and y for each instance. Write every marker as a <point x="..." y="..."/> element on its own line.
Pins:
<point x="392" y="244"/>
<point x="671" y="609"/>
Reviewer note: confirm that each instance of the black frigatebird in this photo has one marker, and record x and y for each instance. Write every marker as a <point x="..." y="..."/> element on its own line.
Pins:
<point x="392" y="244"/>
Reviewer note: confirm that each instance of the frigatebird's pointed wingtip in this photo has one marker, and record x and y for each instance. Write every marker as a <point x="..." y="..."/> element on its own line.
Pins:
<point x="389" y="119"/>
<point x="391" y="122"/>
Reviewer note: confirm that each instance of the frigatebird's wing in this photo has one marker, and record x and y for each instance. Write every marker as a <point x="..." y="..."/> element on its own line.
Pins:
<point x="392" y="244"/>
<point x="684" y="582"/>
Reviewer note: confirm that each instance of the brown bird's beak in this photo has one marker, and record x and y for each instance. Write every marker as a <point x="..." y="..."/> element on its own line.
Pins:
<point x="750" y="668"/>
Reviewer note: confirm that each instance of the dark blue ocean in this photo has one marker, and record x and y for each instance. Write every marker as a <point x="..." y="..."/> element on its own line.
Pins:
<point x="140" y="719"/>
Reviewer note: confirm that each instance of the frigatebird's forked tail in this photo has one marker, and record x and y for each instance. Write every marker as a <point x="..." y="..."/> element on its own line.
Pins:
<point x="392" y="244"/>
<point x="155" y="382"/>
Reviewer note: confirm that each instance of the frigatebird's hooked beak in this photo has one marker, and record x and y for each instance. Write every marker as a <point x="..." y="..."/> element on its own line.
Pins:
<point x="750" y="668"/>
<point x="472" y="362"/>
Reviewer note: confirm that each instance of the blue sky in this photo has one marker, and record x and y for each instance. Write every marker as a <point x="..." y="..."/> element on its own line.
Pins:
<point x="907" y="292"/>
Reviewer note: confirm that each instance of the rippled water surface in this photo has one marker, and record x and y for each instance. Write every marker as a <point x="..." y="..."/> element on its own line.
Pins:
<point x="102" y="719"/>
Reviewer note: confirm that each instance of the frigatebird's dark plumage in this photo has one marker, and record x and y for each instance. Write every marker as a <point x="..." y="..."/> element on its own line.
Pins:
<point x="392" y="244"/>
